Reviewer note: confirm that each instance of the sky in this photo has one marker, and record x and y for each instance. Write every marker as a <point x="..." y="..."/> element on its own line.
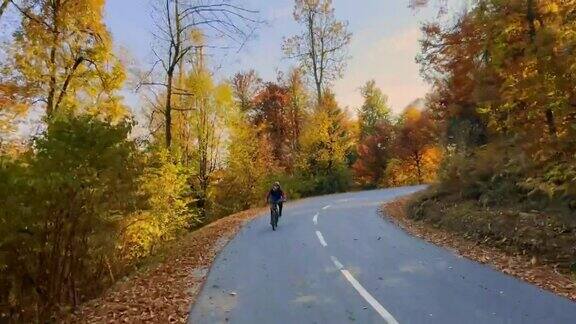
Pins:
<point x="384" y="45"/>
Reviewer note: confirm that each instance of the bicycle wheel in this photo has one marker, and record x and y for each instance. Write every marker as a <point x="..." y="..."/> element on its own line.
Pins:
<point x="274" y="217"/>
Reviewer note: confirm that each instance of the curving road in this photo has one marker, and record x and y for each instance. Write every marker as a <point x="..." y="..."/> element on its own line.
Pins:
<point x="334" y="260"/>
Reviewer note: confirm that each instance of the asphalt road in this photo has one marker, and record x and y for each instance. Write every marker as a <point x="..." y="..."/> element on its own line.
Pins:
<point x="334" y="260"/>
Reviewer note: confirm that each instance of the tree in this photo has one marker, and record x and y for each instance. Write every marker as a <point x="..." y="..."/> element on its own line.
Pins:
<point x="246" y="85"/>
<point x="62" y="51"/>
<point x="374" y="110"/>
<point x="271" y="115"/>
<point x="64" y="198"/>
<point x="22" y="6"/>
<point x="416" y="134"/>
<point x="179" y="23"/>
<point x="374" y="153"/>
<point x="325" y="144"/>
<point x="321" y="48"/>
<point x="249" y="164"/>
<point x="298" y="111"/>
<point x="209" y="106"/>
<point x="12" y="107"/>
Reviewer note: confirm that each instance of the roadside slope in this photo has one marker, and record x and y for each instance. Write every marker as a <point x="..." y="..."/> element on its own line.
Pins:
<point x="164" y="292"/>
<point x="506" y="252"/>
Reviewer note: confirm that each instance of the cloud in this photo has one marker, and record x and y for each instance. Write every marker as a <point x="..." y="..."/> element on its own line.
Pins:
<point x="390" y="60"/>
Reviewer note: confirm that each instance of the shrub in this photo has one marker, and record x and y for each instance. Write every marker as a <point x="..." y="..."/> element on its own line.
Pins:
<point x="61" y="202"/>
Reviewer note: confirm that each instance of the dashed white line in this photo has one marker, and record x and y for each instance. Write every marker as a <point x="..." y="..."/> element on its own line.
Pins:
<point x="359" y="288"/>
<point x="337" y="263"/>
<point x="321" y="238"/>
<point x="364" y="293"/>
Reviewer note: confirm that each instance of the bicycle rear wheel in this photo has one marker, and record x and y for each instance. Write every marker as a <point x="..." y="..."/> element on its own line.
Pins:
<point x="274" y="217"/>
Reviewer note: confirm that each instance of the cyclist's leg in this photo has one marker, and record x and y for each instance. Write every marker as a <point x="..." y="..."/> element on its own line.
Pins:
<point x="280" y="208"/>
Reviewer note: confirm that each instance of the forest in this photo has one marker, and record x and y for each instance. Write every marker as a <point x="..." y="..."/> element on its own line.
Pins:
<point x="503" y="93"/>
<point x="84" y="198"/>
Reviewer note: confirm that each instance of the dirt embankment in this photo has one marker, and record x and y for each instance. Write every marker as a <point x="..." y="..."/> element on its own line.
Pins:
<point x="519" y="244"/>
<point x="164" y="292"/>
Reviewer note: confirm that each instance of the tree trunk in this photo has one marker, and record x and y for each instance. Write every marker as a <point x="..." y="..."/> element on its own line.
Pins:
<point x="314" y="57"/>
<point x="418" y="161"/>
<point x="550" y="122"/>
<point x="319" y="91"/>
<point x="50" y="107"/>
<point x="168" y="110"/>
<point x="531" y="17"/>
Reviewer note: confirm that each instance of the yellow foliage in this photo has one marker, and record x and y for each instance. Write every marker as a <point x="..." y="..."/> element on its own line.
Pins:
<point x="163" y="183"/>
<point x="70" y="67"/>
<point x="412" y="114"/>
<point x="404" y="172"/>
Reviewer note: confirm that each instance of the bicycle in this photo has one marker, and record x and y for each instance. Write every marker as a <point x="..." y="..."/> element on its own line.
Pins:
<point x="274" y="214"/>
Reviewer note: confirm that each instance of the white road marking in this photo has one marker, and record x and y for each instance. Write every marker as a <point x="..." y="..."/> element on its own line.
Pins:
<point x="344" y="200"/>
<point x="321" y="238"/>
<point x="326" y="207"/>
<point x="364" y="293"/>
<point x="315" y="219"/>
<point x="337" y="263"/>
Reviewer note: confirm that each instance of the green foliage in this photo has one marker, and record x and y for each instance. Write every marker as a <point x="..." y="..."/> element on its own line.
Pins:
<point x="78" y="208"/>
<point x="66" y="195"/>
<point x="325" y="144"/>
<point x="374" y="110"/>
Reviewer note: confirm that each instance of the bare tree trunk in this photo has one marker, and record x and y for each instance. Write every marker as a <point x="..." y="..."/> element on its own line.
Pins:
<point x="314" y="57"/>
<point x="168" y="110"/>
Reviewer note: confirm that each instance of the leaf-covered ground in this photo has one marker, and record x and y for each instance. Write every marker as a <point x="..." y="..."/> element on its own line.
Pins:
<point x="164" y="292"/>
<point x="522" y="266"/>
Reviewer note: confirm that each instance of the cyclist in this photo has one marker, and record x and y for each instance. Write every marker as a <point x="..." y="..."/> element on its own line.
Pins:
<point x="276" y="195"/>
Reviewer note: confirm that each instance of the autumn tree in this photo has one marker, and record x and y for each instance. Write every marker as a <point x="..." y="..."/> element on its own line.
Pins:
<point x="321" y="48"/>
<point x="178" y="25"/>
<point x="270" y="114"/>
<point x="61" y="203"/>
<point x="325" y="144"/>
<point x="208" y="109"/>
<point x="248" y="165"/>
<point x="376" y="136"/>
<point x="12" y="107"/>
<point x="374" y="153"/>
<point x="504" y="68"/>
<point x="374" y="110"/>
<point x="246" y="86"/>
<point x="416" y="134"/>
<point x="298" y="107"/>
<point x="61" y="52"/>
